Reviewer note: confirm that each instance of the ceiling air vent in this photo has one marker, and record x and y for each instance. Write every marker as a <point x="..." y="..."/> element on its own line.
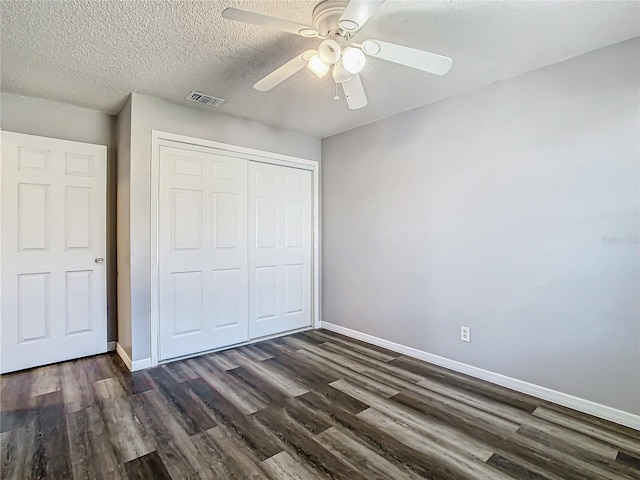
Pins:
<point x="204" y="99"/>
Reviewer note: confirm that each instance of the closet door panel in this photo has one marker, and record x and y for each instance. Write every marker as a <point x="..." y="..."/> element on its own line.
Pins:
<point x="280" y="249"/>
<point x="202" y="251"/>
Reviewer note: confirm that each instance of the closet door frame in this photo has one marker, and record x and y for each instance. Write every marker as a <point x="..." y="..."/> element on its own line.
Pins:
<point x="159" y="139"/>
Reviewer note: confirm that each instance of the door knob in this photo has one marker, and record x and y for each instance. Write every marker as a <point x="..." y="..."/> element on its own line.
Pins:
<point x="99" y="260"/>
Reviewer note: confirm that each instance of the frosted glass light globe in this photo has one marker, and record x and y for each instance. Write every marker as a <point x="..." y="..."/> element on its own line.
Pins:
<point x="340" y="75"/>
<point x="353" y="60"/>
<point x="329" y="51"/>
<point x="317" y="66"/>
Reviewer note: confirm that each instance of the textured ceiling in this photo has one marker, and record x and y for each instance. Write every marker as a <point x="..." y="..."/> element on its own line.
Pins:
<point x="94" y="53"/>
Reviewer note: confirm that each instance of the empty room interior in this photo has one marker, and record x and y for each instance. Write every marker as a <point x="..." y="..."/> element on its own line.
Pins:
<point x="288" y="239"/>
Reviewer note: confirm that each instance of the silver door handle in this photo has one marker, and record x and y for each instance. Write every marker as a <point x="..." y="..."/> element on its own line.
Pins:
<point x="99" y="260"/>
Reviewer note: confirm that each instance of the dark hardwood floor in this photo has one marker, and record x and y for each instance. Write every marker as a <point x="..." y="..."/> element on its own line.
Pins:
<point x="310" y="405"/>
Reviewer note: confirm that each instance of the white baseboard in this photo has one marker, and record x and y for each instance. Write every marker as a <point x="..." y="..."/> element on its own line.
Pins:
<point x="564" y="399"/>
<point x="123" y="355"/>
<point x="111" y="346"/>
<point x="132" y="365"/>
<point x="140" y="364"/>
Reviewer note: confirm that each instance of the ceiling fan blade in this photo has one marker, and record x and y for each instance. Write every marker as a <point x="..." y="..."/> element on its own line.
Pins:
<point x="281" y="24"/>
<point x="357" y="13"/>
<point x="411" y="57"/>
<point x="279" y="75"/>
<point x="354" y="93"/>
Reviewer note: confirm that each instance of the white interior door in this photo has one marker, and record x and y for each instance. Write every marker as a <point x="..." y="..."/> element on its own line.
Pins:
<point x="53" y="246"/>
<point x="280" y="240"/>
<point x="202" y="249"/>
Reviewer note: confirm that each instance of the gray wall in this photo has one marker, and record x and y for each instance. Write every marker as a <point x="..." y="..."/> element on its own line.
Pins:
<point x="45" y="118"/>
<point x="513" y="210"/>
<point x="149" y="114"/>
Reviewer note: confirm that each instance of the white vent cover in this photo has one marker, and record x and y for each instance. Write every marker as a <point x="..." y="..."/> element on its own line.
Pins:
<point x="204" y="99"/>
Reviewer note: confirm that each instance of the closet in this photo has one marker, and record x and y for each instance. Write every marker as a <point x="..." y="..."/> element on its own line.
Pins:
<point x="234" y="249"/>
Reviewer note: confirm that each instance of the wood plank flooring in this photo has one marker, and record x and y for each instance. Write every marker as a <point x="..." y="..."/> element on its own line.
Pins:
<point x="306" y="406"/>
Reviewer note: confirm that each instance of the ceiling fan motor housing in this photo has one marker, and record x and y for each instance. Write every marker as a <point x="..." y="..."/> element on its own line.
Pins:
<point x="326" y="15"/>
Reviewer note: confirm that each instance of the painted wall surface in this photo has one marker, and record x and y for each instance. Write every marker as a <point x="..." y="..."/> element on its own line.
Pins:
<point x="123" y="129"/>
<point x="513" y="210"/>
<point x="149" y="114"/>
<point x="35" y="116"/>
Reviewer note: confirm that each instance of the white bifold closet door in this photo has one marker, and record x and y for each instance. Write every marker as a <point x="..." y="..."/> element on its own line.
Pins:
<point x="280" y="249"/>
<point x="202" y="251"/>
<point x="53" y="248"/>
<point x="234" y="250"/>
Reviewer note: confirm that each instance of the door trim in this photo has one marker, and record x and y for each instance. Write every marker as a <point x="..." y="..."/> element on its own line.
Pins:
<point x="159" y="139"/>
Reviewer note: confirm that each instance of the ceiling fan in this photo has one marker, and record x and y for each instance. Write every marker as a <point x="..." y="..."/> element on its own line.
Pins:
<point x="336" y="22"/>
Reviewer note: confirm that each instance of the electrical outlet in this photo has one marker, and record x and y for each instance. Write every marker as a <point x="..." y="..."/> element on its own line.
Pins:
<point x="465" y="334"/>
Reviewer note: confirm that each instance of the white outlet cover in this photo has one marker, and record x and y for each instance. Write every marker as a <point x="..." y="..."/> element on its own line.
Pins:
<point x="465" y="334"/>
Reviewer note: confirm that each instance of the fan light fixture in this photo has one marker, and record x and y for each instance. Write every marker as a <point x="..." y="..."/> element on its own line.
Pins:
<point x="340" y="75"/>
<point x="317" y="66"/>
<point x="329" y="51"/>
<point x="353" y="60"/>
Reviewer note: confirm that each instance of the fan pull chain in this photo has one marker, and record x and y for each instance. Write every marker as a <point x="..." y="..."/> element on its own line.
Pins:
<point x="336" y="97"/>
